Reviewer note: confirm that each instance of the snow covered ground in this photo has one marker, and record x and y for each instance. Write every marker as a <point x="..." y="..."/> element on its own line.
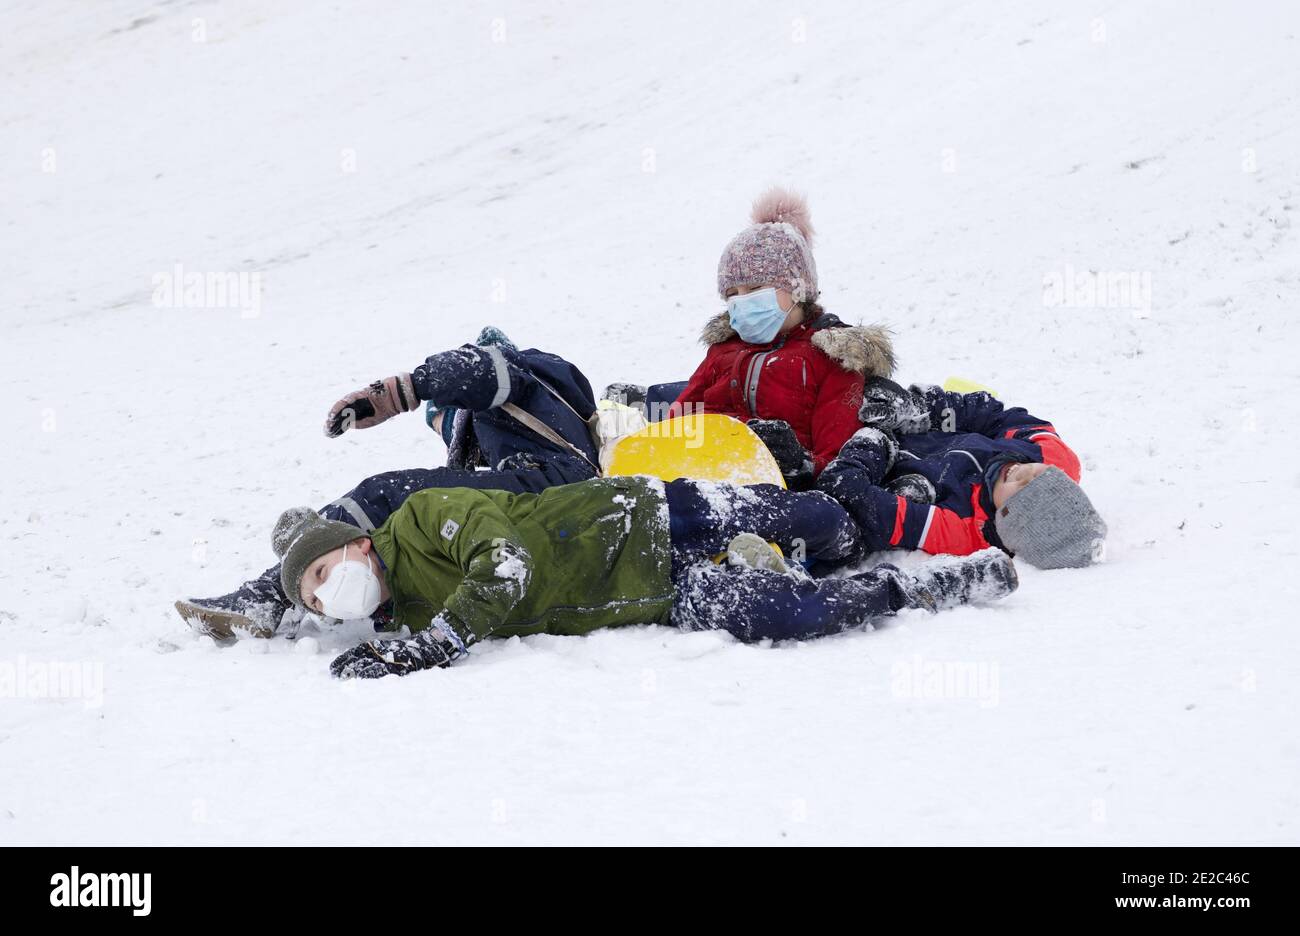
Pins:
<point x="398" y="175"/>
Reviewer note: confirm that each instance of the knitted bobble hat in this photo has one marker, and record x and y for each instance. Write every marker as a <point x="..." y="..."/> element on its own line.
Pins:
<point x="776" y="250"/>
<point x="301" y="536"/>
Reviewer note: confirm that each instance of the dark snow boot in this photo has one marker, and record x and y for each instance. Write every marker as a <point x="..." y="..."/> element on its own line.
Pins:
<point x="253" y="610"/>
<point x="949" y="581"/>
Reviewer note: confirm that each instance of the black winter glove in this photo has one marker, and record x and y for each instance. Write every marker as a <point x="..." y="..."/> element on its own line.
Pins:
<point x="887" y="406"/>
<point x="439" y="645"/>
<point x="796" y="464"/>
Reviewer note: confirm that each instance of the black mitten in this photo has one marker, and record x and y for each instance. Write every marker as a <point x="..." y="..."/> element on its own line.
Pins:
<point x="870" y="452"/>
<point x="795" y="463"/>
<point x="887" y="406"/>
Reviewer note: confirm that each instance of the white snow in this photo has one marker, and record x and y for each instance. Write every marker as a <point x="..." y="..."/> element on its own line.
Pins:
<point x="396" y="178"/>
<point x="513" y="569"/>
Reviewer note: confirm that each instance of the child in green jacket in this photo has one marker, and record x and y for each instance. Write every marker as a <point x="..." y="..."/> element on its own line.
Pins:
<point x="458" y="565"/>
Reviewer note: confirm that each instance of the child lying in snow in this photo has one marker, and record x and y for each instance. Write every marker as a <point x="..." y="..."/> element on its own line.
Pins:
<point x="465" y="390"/>
<point x="955" y="473"/>
<point x="458" y="565"/>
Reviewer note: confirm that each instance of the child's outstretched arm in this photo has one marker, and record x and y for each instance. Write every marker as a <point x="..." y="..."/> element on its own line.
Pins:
<point x="979" y="412"/>
<point x="473" y="377"/>
<point x="984" y="413"/>
<point x="930" y="408"/>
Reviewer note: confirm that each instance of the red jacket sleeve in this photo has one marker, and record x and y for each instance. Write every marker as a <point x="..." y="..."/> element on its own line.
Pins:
<point x="928" y="527"/>
<point x="693" y="392"/>
<point x="835" y="414"/>
<point x="948" y="532"/>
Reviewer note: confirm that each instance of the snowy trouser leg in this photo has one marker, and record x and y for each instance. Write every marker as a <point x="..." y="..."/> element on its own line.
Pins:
<point x="253" y="609"/>
<point x="756" y="605"/>
<point x="706" y="515"/>
<point x="949" y="581"/>
<point x="753" y="604"/>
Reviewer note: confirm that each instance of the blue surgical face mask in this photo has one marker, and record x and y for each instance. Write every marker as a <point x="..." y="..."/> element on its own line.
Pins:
<point x="757" y="317"/>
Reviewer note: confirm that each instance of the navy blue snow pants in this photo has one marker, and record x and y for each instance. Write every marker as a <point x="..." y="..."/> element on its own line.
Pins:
<point x="755" y="604"/>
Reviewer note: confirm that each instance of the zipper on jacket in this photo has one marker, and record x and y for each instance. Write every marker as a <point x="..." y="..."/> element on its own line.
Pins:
<point x="754" y="373"/>
<point x="752" y="376"/>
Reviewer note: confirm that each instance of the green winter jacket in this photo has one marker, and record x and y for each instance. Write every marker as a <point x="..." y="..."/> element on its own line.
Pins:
<point x="565" y="561"/>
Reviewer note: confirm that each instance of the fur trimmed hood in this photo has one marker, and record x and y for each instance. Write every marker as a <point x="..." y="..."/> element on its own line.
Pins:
<point x="862" y="349"/>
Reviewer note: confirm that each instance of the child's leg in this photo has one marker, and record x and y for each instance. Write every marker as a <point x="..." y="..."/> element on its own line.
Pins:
<point x="256" y="608"/>
<point x="757" y="605"/>
<point x="706" y="515"/>
<point x="375" y="499"/>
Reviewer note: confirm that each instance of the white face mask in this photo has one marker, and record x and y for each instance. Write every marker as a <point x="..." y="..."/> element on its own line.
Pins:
<point x="350" y="591"/>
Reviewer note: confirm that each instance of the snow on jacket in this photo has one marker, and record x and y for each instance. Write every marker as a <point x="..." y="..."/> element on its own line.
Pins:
<point x="811" y="377"/>
<point x="566" y="561"/>
<point x="975" y="437"/>
<point x="478" y="379"/>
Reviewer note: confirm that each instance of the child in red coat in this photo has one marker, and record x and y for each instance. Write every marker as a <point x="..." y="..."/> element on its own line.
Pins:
<point x="776" y="359"/>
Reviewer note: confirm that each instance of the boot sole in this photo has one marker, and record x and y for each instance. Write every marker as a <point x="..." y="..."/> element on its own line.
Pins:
<point x="219" y="625"/>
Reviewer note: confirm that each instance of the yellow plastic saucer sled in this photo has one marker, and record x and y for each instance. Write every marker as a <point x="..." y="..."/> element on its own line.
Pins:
<point x="708" y="446"/>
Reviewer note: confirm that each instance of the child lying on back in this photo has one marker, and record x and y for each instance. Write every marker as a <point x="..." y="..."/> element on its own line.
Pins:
<point x="955" y="473"/>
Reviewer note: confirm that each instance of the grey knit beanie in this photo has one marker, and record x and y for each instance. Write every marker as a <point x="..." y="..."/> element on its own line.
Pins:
<point x="776" y="250"/>
<point x="301" y="536"/>
<point x="1050" y="523"/>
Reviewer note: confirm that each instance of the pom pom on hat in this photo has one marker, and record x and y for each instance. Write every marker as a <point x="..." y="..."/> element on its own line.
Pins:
<point x="781" y="205"/>
<point x="301" y="536"/>
<point x="290" y="520"/>
<point x="775" y="250"/>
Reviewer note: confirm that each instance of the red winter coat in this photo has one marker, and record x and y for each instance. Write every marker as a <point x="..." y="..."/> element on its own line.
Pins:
<point x="811" y="377"/>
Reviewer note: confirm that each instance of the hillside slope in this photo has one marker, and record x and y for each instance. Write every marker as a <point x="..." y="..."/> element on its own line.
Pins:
<point x="399" y="180"/>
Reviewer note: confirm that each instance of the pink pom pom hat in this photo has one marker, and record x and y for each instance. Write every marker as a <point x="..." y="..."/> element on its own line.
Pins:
<point x="776" y="250"/>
